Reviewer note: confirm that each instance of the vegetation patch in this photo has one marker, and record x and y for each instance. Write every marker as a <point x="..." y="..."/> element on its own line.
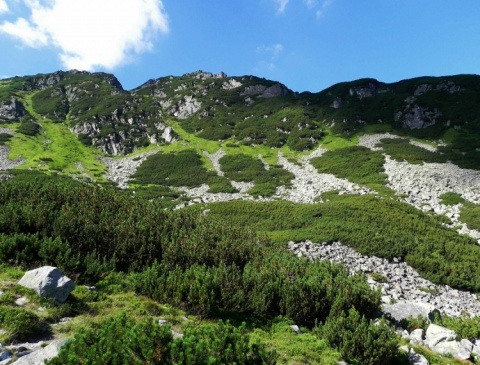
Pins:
<point x="371" y="225"/>
<point x="184" y="168"/>
<point x="357" y="164"/>
<point x="242" y="167"/>
<point x="451" y="198"/>
<point x="470" y="214"/>
<point x="402" y="150"/>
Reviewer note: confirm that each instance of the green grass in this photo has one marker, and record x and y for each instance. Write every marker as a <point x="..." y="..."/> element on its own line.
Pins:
<point x="305" y="348"/>
<point x="371" y="225"/>
<point x="357" y="164"/>
<point x="54" y="149"/>
<point x="470" y="214"/>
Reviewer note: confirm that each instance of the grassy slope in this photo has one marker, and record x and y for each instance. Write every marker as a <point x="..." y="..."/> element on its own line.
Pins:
<point x="55" y="149"/>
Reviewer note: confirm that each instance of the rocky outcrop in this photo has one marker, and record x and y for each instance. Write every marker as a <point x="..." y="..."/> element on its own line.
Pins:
<point x="36" y="355"/>
<point x="366" y="91"/>
<point x="403" y="310"/>
<point x="11" y="110"/>
<point x="417" y="117"/>
<point x="264" y="91"/>
<point x="231" y="84"/>
<point x="186" y="107"/>
<point x="48" y="282"/>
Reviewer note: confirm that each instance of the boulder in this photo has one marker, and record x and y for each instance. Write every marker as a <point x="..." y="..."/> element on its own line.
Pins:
<point x="416" y="337"/>
<point x="436" y="334"/>
<point x="454" y="348"/>
<point x="417" y="359"/>
<point x="38" y="357"/>
<point x="48" y="282"/>
<point x="403" y="310"/>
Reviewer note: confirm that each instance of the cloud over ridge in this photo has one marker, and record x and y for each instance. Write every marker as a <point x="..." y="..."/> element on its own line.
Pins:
<point x="90" y="33"/>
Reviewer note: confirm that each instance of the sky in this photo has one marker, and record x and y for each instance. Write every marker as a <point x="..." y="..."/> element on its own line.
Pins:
<point x="308" y="45"/>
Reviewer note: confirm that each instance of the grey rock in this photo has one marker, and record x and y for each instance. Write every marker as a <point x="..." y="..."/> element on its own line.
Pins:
<point x="417" y="359"/>
<point x="275" y="90"/>
<point x="436" y="334"/>
<point x="11" y="109"/>
<point x="48" y="281"/>
<point x="7" y="354"/>
<point x="454" y="348"/>
<point x="416" y="336"/>
<point x="39" y="356"/>
<point x="404" y="309"/>
<point x="296" y="329"/>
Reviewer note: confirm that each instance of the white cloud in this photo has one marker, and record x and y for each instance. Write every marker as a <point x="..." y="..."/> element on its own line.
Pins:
<point x="91" y="33"/>
<point x="310" y="3"/>
<point x="274" y="50"/>
<point x="3" y="6"/>
<point x="323" y="7"/>
<point x="281" y="5"/>
<point x="269" y="55"/>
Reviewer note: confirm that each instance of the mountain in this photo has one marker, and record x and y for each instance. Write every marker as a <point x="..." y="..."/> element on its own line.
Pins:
<point x="247" y="110"/>
<point x="208" y="193"/>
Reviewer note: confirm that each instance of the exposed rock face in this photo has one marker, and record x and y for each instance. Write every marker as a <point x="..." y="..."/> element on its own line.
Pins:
<point x="231" y="84"/>
<point x="254" y="90"/>
<point x="49" y="282"/>
<point x="11" y="109"/>
<point x="39" y="356"/>
<point x="337" y="103"/>
<point x="366" y="91"/>
<point x="403" y="309"/>
<point x="186" y="107"/>
<point x="418" y="117"/>
<point x="448" y="86"/>
<point x="275" y="90"/>
<point x="266" y="92"/>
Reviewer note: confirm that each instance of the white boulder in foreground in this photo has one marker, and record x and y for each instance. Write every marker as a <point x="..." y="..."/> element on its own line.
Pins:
<point x="48" y="282"/>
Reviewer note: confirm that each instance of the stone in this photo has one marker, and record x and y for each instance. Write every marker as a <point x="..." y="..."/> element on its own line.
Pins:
<point x="454" y="348"/>
<point x="48" y="282"/>
<point x="21" y="301"/>
<point x="39" y="356"/>
<point x="436" y="334"/>
<point x="7" y="354"/>
<point x="417" y="359"/>
<point x="296" y="329"/>
<point x="405" y="309"/>
<point x="416" y="336"/>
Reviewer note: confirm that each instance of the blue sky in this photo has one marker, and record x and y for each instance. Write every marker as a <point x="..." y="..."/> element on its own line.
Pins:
<point x="306" y="44"/>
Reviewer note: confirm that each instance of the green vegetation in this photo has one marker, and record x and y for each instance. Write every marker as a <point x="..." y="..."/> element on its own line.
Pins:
<point x="184" y="168"/>
<point x="18" y="322"/>
<point x="470" y="214"/>
<point x="241" y="167"/>
<point x="122" y="340"/>
<point x="465" y="327"/>
<point x="373" y="226"/>
<point x="402" y="150"/>
<point x="4" y="137"/>
<point x="29" y="128"/>
<point x="359" y="340"/>
<point x="451" y="198"/>
<point x="357" y="164"/>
